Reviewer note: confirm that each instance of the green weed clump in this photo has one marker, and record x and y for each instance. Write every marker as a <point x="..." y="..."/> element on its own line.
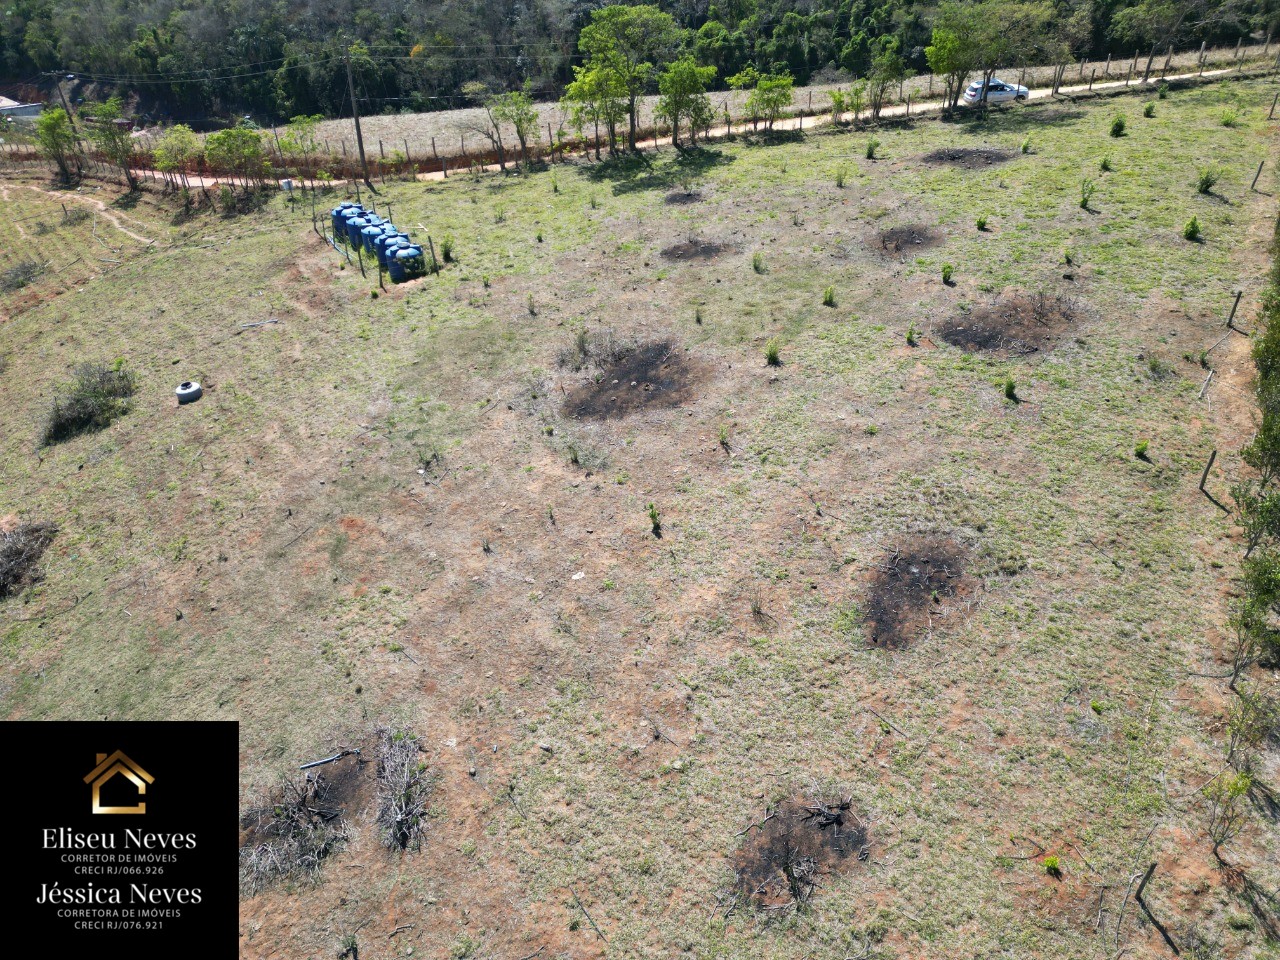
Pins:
<point x="1163" y="91"/>
<point x="840" y="174"/>
<point x="772" y="353"/>
<point x="829" y="297"/>
<point x="1026" y="145"/>
<point x="1105" y="165"/>
<point x="1053" y="865"/>
<point x="1010" y="389"/>
<point x="98" y="396"/>
<point x="1140" y="449"/>
<point x="1087" y="190"/>
<point x="1191" y="231"/>
<point x="446" y="249"/>
<point x="655" y="520"/>
<point x="1230" y="118"/>
<point x="1149" y="110"/>
<point x="913" y="335"/>
<point x="1207" y="179"/>
<point x="1117" y="127"/>
<point x="872" y="146"/>
<point x="757" y="262"/>
<point x="982" y="223"/>
<point x="947" y="271"/>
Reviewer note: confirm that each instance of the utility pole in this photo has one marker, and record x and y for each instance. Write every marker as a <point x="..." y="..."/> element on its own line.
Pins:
<point x="355" y="113"/>
<point x="67" y="107"/>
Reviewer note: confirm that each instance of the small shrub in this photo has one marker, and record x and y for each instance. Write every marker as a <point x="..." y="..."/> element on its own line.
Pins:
<point x="1159" y="369"/>
<point x="725" y="439"/>
<point x="1052" y="865"/>
<point x="533" y="307"/>
<point x="99" y="394"/>
<point x="870" y="429"/>
<point x="594" y="201"/>
<point x="500" y="216"/>
<point x="1026" y="145"/>
<point x="539" y="236"/>
<point x="20" y="551"/>
<point x="1149" y="110"/>
<point x="1191" y="231"/>
<point x="446" y="249"/>
<point x="913" y="335"/>
<point x="1087" y="189"/>
<point x="1163" y="91"/>
<point x="829" y="297"/>
<point x="19" y="275"/>
<point x="1105" y="165"/>
<point x="697" y="315"/>
<point x="982" y="223"/>
<point x="655" y="520"/>
<point x="947" y="271"/>
<point x="1230" y="118"/>
<point x="75" y="215"/>
<point x="772" y="351"/>
<point x="555" y="184"/>
<point x="1010" y="389"/>
<point x="1140" y="449"/>
<point x="757" y="262"/>
<point x="1207" y="179"/>
<point x="872" y="146"/>
<point x="404" y="786"/>
<point x="840" y="178"/>
<point x="1117" y="127"/>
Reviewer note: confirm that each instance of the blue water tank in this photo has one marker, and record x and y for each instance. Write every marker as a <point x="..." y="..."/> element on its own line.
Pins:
<point x="354" y="226"/>
<point x="408" y="262"/>
<point x="389" y="250"/>
<point x="369" y="234"/>
<point x="345" y="216"/>
<point x="380" y="242"/>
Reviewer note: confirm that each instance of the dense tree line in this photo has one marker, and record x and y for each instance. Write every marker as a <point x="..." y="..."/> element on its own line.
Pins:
<point x="280" y="58"/>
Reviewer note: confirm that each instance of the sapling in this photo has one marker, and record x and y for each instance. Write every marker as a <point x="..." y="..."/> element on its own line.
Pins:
<point x="829" y="297"/>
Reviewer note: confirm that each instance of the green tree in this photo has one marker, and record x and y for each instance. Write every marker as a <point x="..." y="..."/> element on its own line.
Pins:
<point x="683" y="86"/>
<point x="57" y="142"/>
<point x="953" y="54"/>
<point x="237" y="150"/>
<point x="1165" y="22"/>
<point x="109" y="131"/>
<point x="490" y="128"/>
<point x="517" y="109"/>
<point x="632" y="43"/>
<point x="887" y="70"/>
<point x="176" y="150"/>
<point x="595" y="97"/>
<point x="771" y="97"/>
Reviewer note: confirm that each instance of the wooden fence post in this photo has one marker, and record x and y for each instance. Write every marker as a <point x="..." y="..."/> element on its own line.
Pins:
<point x="1106" y="72"/>
<point x="1092" y="73"/>
<point x="1272" y="114"/>
<point x="1258" y="174"/>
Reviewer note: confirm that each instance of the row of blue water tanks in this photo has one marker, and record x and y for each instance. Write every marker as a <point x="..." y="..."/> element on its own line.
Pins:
<point x="356" y="226"/>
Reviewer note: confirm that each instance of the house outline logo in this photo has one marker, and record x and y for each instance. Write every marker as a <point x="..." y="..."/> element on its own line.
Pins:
<point x="108" y="767"/>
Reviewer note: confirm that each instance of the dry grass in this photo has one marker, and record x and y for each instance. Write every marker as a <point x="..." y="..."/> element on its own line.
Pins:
<point x="20" y="551"/>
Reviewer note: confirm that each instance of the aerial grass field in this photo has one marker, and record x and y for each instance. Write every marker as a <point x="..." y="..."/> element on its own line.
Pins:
<point x="751" y="589"/>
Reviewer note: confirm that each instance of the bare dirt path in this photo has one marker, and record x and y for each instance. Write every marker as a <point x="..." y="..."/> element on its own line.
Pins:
<point x="107" y="214"/>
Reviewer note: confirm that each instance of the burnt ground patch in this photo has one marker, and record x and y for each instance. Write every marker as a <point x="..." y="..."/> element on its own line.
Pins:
<point x="652" y="376"/>
<point x="910" y="589"/>
<point x="679" y="198"/>
<point x="1015" y="324"/>
<point x="908" y="237"/>
<point x="784" y="857"/>
<point x="695" y="249"/>
<point x="301" y="823"/>
<point x="967" y="158"/>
